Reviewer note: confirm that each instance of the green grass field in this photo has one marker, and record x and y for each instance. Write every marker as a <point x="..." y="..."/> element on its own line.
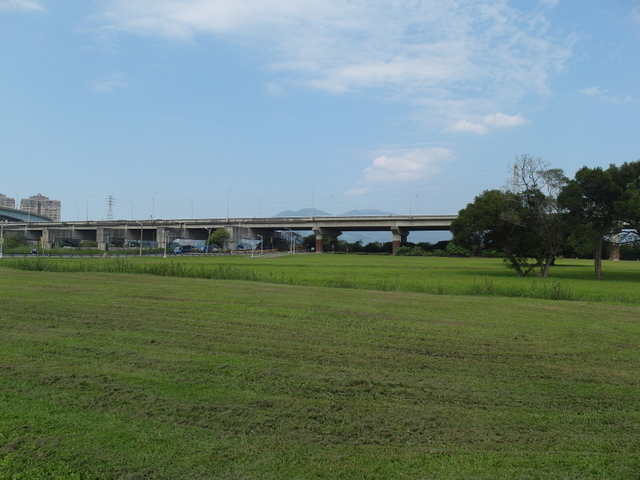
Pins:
<point x="129" y="376"/>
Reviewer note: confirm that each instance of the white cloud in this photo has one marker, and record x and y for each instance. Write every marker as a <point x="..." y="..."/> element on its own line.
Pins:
<point x="502" y="120"/>
<point x="109" y="84"/>
<point x="436" y="52"/>
<point x="594" y="91"/>
<point x="549" y="3"/>
<point x="274" y="89"/>
<point x="403" y="165"/>
<point x="465" y="126"/>
<point x="604" y="95"/>
<point x="495" y="120"/>
<point x="6" y="5"/>
<point x="356" y="192"/>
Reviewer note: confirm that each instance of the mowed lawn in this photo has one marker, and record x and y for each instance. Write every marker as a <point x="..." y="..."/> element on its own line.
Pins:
<point x="115" y="376"/>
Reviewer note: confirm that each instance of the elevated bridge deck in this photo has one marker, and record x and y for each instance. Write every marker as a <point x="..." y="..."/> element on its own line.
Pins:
<point x="162" y="231"/>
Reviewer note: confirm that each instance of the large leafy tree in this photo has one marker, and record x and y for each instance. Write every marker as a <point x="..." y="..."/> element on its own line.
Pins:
<point x="628" y="206"/>
<point x="593" y="199"/>
<point x="496" y="222"/>
<point x="523" y="223"/>
<point x="538" y="187"/>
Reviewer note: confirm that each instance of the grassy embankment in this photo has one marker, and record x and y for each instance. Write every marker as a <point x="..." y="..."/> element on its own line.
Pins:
<point x="135" y="376"/>
<point x="570" y="279"/>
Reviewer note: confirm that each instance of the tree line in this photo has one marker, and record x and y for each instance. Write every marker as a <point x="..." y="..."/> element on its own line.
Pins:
<point x="542" y="213"/>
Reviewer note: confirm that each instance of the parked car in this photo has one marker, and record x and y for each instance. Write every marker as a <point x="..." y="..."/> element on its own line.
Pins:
<point x="208" y="249"/>
<point x="182" y="249"/>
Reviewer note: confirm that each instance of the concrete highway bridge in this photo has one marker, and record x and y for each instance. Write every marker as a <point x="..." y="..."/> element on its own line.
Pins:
<point x="163" y="232"/>
<point x="13" y="215"/>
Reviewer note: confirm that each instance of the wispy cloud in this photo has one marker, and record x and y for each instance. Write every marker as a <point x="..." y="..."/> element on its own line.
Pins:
<point x="356" y="192"/>
<point x="109" y="84"/>
<point x="29" y="5"/>
<point x="549" y="3"/>
<point x="482" y="127"/>
<point x="606" y="96"/>
<point x="426" y="53"/>
<point x="406" y="165"/>
<point x="635" y="13"/>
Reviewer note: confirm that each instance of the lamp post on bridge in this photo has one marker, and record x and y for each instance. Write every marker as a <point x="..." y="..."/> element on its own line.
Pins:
<point x="88" y="197"/>
<point x="153" y="206"/>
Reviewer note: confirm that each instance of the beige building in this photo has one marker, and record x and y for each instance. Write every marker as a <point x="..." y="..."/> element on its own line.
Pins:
<point x="41" y="205"/>
<point x="7" y="202"/>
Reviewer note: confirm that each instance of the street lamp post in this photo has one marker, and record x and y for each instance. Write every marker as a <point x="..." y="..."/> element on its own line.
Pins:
<point x="191" y="208"/>
<point x="291" y="239"/>
<point x="259" y="213"/>
<point x="165" y="243"/>
<point x="131" y="209"/>
<point x="228" y="204"/>
<point x="206" y="242"/>
<point x="312" y="201"/>
<point x="88" y="197"/>
<point x="153" y="206"/>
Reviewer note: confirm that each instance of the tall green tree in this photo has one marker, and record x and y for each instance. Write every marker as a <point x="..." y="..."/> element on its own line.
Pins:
<point x="628" y="206"/>
<point x="523" y="222"/>
<point x="496" y="222"/>
<point x="593" y="198"/>
<point x="538" y="187"/>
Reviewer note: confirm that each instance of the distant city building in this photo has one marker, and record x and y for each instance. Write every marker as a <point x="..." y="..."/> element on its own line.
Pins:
<point x="41" y="205"/>
<point x="7" y="202"/>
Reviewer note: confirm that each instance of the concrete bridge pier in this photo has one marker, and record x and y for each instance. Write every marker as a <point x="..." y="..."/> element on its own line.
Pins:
<point x="161" y="236"/>
<point x="166" y="235"/>
<point x="46" y="238"/>
<point x="399" y="237"/>
<point x="615" y="247"/>
<point x="101" y="239"/>
<point x="320" y="233"/>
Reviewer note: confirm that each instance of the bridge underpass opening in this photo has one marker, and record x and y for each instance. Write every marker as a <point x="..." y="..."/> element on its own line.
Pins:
<point x="377" y="240"/>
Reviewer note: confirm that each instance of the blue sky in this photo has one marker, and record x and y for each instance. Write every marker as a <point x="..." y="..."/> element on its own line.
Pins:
<point x="181" y="108"/>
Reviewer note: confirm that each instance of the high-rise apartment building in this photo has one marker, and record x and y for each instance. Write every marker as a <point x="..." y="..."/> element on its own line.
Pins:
<point x="41" y="205"/>
<point x="7" y="202"/>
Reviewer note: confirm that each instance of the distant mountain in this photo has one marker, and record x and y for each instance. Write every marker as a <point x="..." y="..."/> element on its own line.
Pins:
<point x="304" y="212"/>
<point x="366" y="212"/>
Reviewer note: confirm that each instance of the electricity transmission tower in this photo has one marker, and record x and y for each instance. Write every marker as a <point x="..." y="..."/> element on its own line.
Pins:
<point x="110" y="203"/>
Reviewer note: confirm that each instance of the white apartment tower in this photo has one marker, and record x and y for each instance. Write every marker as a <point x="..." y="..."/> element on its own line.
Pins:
<point x="41" y="205"/>
<point x="7" y="202"/>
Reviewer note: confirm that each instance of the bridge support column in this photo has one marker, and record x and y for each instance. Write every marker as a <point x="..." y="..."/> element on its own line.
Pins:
<point x="46" y="238"/>
<point x="325" y="232"/>
<point x="161" y="236"/>
<point x="399" y="237"/>
<point x="614" y="254"/>
<point x="101" y="239"/>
